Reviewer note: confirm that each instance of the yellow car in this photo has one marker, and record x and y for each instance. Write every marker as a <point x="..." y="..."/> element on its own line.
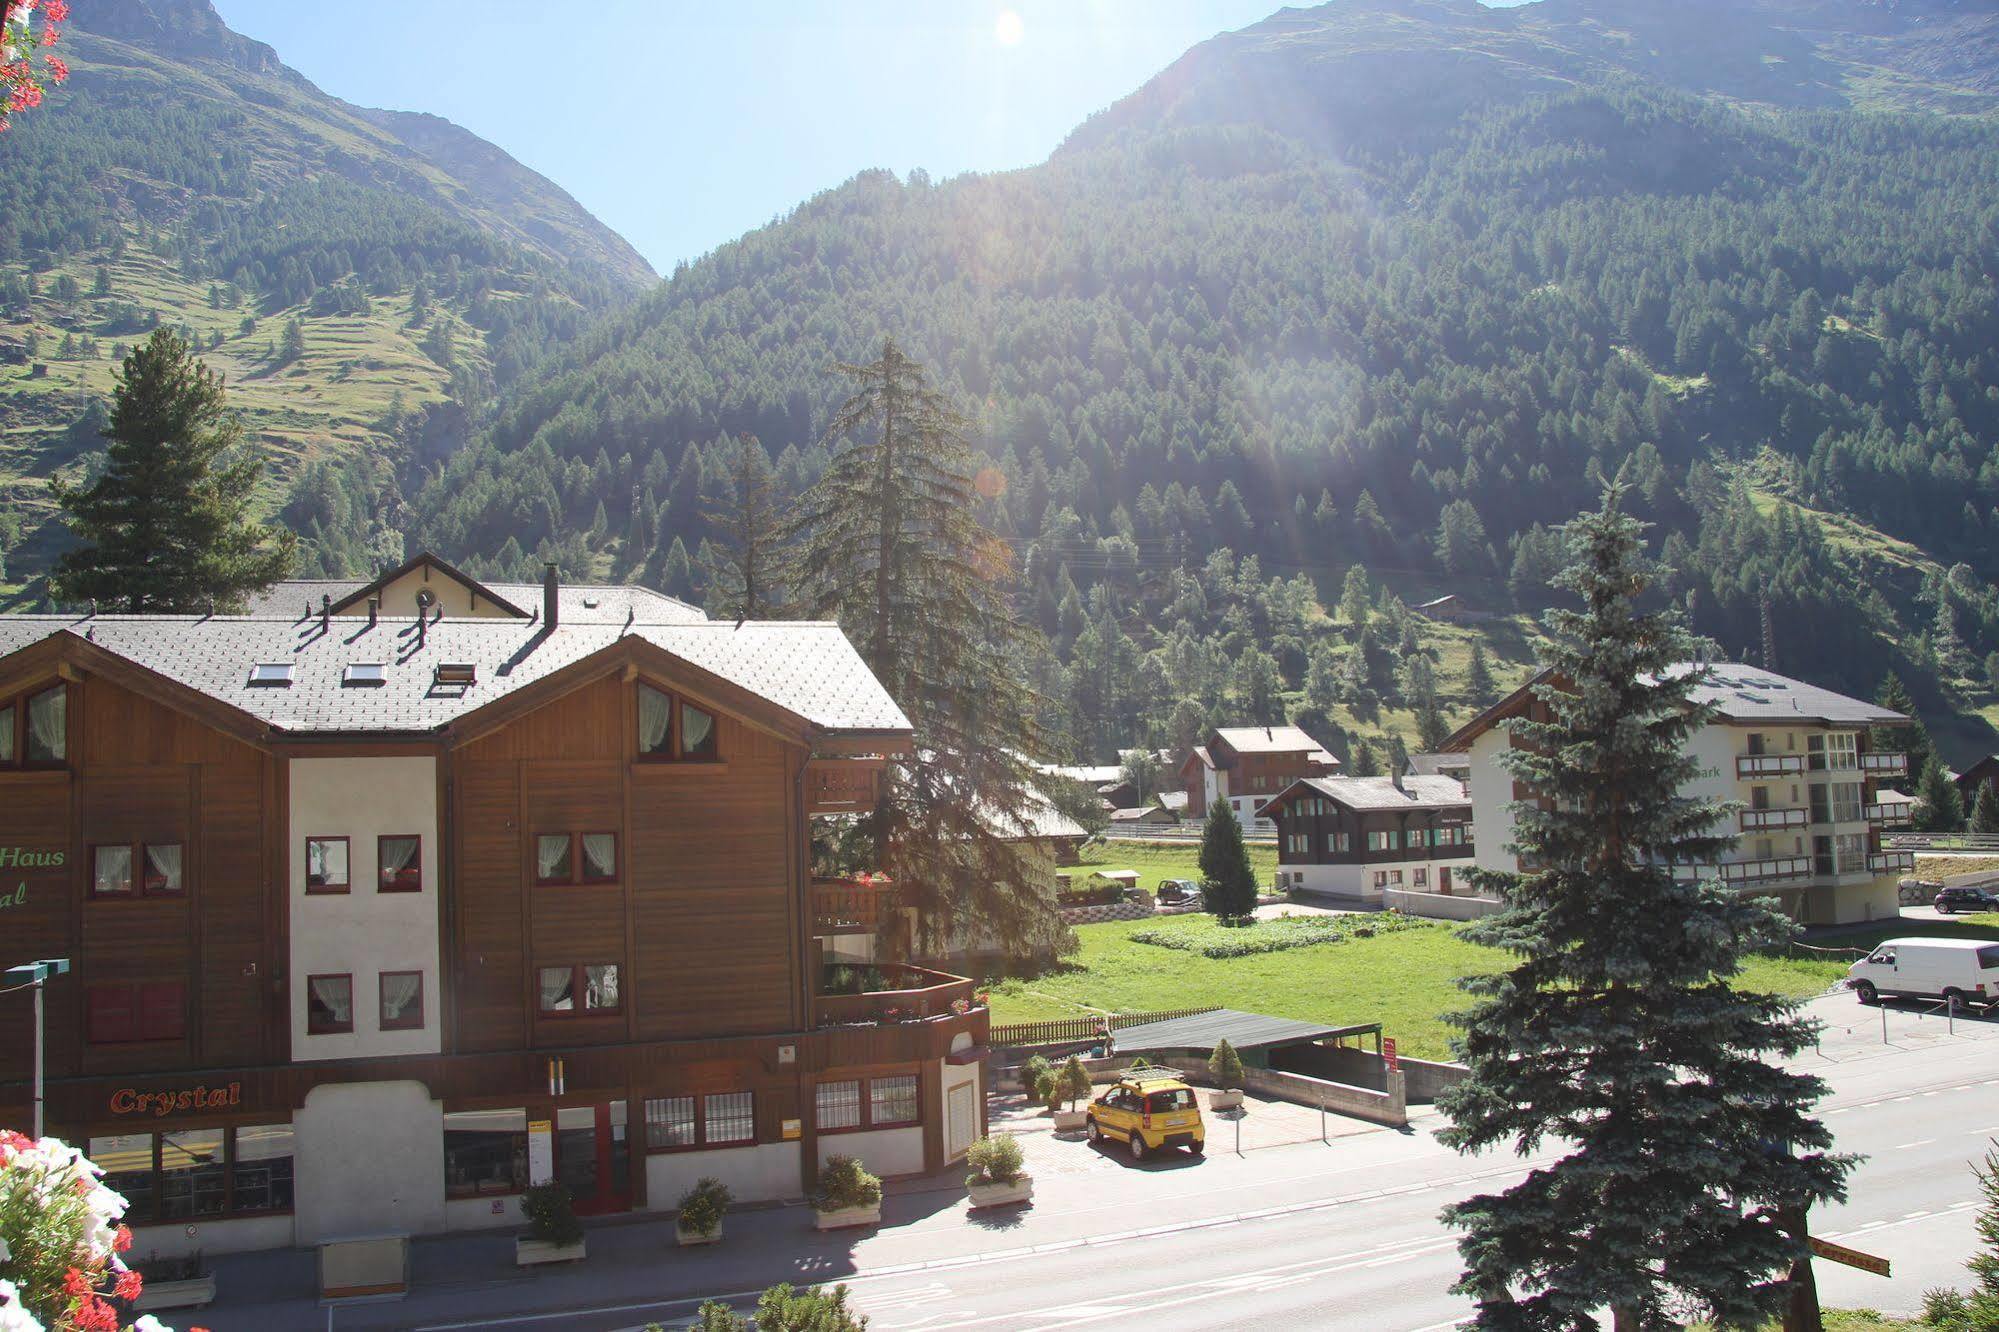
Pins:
<point x="1148" y="1111"/>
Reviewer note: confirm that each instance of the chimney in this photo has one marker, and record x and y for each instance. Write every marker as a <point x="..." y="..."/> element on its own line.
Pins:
<point x="550" y="594"/>
<point x="374" y="610"/>
<point x="1395" y="775"/>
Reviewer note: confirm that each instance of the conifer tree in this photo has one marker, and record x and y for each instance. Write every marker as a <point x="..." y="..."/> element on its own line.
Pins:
<point x="1940" y="806"/>
<point x="1616" y="1033"/>
<point x="1985" y="809"/>
<point x="1228" y="884"/>
<point x="743" y="575"/>
<point x="1910" y="737"/>
<point x="891" y="540"/>
<point x="1431" y="728"/>
<point x="1478" y="676"/>
<point x="1364" y="763"/>
<point x="167" y="527"/>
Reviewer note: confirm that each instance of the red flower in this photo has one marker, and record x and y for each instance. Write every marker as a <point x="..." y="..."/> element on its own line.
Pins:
<point x="55" y="11"/>
<point x="121" y="1239"/>
<point x="49" y="36"/>
<point x="23" y="98"/>
<point x="76" y="1283"/>
<point x="58" y="68"/>
<point x="95" y="1315"/>
<point x="20" y="1142"/>
<point x="129" y="1285"/>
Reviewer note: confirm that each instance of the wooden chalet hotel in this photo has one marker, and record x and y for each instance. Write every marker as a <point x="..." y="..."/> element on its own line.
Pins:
<point x="386" y="901"/>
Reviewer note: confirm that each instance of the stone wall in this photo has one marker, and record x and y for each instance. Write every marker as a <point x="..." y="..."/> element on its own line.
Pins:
<point x="1438" y="906"/>
<point x="1096" y="915"/>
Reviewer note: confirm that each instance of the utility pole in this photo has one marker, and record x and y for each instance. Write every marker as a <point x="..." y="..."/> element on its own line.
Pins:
<point x="37" y="974"/>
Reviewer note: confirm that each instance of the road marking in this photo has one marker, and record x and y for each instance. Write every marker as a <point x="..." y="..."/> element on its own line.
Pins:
<point x="1911" y="1216"/>
<point x="1984" y="1132"/>
<point x="1905" y="1146"/>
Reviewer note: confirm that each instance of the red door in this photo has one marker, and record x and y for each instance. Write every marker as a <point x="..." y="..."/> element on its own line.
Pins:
<point x="593" y="1156"/>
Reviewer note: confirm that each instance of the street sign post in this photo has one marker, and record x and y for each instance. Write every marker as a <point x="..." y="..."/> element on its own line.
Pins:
<point x="37" y="974"/>
<point x="1388" y="1055"/>
<point x="1839" y="1253"/>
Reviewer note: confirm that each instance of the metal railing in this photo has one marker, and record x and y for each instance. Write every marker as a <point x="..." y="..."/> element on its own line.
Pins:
<point x="1757" y="820"/>
<point x="1883" y="761"/>
<point x="1081" y="1028"/>
<point x="923" y="994"/>
<point x="1768" y="765"/>
<point x="1890" y="816"/>
<point x="1887" y="862"/>
<point x="1738" y="873"/>
<point x="1941" y="841"/>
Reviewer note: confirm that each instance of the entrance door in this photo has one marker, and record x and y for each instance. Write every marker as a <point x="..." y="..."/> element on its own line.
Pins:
<point x="961" y="1118"/>
<point x="593" y="1156"/>
<point x="1444" y="880"/>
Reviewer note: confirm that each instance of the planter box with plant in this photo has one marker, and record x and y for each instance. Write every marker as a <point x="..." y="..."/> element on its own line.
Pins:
<point x="554" y="1234"/>
<point x="1060" y="1089"/>
<point x="848" y="1195"/>
<point x="1225" y="1067"/>
<point x="701" y="1210"/>
<point x="996" y="1179"/>
<point x="174" y="1283"/>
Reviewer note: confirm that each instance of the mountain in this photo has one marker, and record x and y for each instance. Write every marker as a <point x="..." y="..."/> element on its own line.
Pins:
<point x="1389" y="286"/>
<point x="186" y="176"/>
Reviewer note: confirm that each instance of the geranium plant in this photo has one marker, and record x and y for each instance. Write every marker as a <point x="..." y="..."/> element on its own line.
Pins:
<point x="28" y="28"/>
<point x="61" y="1242"/>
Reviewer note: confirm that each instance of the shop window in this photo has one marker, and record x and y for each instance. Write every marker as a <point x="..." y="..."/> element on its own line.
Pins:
<point x="729" y="1117"/>
<point x="128" y="1011"/>
<point x="867" y="1103"/>
<point x="326" y="865"/>
<point x="329" y="1004"/>
<point x="892" y="1100"/>
<point x="400" y="996"/>
<point x="670" y="1123"/>
<point x="837" y="1105"/>
<point x="670" y="728"/>
<point x="199" y="1173"/>
<point x="485" y="1153"/>
<point x="399" y="864"/>
<point x="129" y="1170"/>
<point x="194" y="1174"/>
<point x="260" y="1168"/>
<point x="582" y="988"/>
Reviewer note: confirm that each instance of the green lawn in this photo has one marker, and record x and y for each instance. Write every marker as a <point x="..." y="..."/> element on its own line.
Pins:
<point x="1168" y="860"/>
<point x="1404" y="980"/>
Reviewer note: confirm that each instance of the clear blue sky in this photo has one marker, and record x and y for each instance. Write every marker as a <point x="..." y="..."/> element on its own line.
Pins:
<point x="682" y="126"/>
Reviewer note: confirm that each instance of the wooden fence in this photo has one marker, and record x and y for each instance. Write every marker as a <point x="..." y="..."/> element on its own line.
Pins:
<point x="1080" y="1029"/>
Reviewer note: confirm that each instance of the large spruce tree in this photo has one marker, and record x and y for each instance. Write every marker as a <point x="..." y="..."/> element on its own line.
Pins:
<point x="1228" y="883"/>
<point x="1617" y="1035"/>
<point x="166" y="526"/>
<point x="890" y="541"/>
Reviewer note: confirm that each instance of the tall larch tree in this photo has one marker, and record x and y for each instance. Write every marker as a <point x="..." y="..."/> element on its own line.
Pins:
<point x="892" y="543"/>
<point x="166" y="527"/>
<point x="743" y="574"/>
<point x="1616" y="1033"/>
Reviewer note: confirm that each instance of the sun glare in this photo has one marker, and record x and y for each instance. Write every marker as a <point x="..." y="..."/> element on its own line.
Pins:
<point x="1008" y="29"/>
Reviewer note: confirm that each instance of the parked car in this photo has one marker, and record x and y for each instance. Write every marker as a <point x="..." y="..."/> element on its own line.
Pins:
<point x="1963" y="969"/>
<point x="1148" y="1112"/>
<point x="1175" y="892"/>
<point x="1952" y="900"/>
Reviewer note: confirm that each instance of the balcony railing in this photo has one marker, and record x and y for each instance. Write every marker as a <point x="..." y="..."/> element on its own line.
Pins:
<point x="1742" y="873"/>
<point x="891" y="992"/>
<point x="1891" y="862"/>
<point x="850" y="906"/>
<point x="1761" y="820"/>
<point x="1890" y="816"/>
<point x="1881" y="763"/>
<point x="1748" y="766"/>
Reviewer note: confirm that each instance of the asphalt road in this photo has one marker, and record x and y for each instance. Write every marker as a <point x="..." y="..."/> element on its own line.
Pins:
<point x="1346" y="1235"/>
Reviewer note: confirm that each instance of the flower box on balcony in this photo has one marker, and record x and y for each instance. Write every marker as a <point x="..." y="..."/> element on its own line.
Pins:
<point x="995" y="1194"/>
<point x="840" y="1218"/>
<point x="193" y="1293"/>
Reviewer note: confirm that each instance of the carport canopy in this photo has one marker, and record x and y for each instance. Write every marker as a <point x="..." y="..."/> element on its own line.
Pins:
<point x="1245" y="1031"/>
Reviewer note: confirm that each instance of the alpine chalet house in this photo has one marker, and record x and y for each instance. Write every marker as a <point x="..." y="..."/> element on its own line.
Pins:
<point x="388" y="901"/>
<point x="1794" y="757"/>
<point x="1246" y="765"/>
<point x="1398" y="841"/>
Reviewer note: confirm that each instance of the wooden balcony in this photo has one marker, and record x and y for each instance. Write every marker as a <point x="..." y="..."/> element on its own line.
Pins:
<point x="1745" y="873"/>
<point x="1892" y="862"/>
<point x="1762" y="820"/>
<point x="891" y="992"/>
<point x="1891" y="816"/>
<point x="1881" y="763"/>
<point x="1749" y="767"/>
<point x="842" y="785"/>
<point x="851" y="906"/>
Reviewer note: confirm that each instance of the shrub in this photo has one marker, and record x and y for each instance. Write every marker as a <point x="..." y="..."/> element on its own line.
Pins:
<point x="1072" y="1084"/>
<point x="551" y="1215"/>
<point x="844" y="1182"/>
<point x="1225" y="1066"/>
<point x="703" y="1206"/>
<point x="782" y="1309"/>
<point x="994" y="1161"/>
<point x="1048" y="1091"/>
<point x="1031" y="1073"/>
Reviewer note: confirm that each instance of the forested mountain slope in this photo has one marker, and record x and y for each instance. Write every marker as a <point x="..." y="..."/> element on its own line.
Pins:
<point x="185" y="176"/>
<point x="1196" y="339"/>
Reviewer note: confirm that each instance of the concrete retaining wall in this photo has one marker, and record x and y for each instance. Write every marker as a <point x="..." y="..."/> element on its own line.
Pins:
<point x="1387" y="1104"/>
<point x="1423" y="1079"/>
<point x="1436" y="906"/>
<point x="1096" y="915"/>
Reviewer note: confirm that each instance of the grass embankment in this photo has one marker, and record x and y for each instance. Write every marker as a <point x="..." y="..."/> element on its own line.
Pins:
<point x="1155" y="861"/>
<point x="1405" y="980"/>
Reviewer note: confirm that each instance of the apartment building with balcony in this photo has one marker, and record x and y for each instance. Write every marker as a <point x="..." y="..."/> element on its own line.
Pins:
<point x="1246" y="766"/>
<point x="387" y="901"/>
<point x="1377" y="840"/>
<point x="1813" y="798"/>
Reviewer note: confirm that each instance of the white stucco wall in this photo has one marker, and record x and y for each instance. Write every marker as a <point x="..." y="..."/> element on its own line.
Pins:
<point x="370" y="1160"/>
<point x="767" y="1172"/>
<point x="1491" y="803"/>
<point x="885" y="1152"/>
<point x="484" y="1213"/>
<point x="954" y="1076"/>
<point x="177" y="1239"/>
<point x="363" y="931"/>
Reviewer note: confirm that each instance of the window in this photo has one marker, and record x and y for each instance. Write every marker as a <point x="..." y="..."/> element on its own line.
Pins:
<point x="47" y="737"/>
<point x="595" y="984"/>
<point x="1384" y="841"/>
<point x="329" y="1004"/>
<point x="162" y="875"/>
<point x="190" y="1173"/>
<point x="1420" y="878"/>
<point x="364" y="674"/>
<point x="158" y="865"/>
<point x="837" y="1105"/>
<point x="1381" y="878"/>
<point x="1340" y="843"/>
<point x="326" y="864"/>
<point x="600" y="857"/>
<point x="553" y="858"/>
<point x="1851" y="848"/>
<point x="401" y="997"/>
<point x="1846" y="802"/>
<point x="8" y="715"/>
<point x="567" y="858"/>
<point x="1842" y="751"/>
<point x="272" y="675"/>
<point x="660" y="738"/>
<point x="111" y="871"/>
<point x="719" y="1119"/>
<point x="892" y="1100"/>
<point x="128" y="1011"/>
<point x="399" y="864"/>
<point x="485" y="1153"/>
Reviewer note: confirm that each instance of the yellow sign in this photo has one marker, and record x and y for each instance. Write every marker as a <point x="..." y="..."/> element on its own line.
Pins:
<point x="792" y="1129"/>
<point x="1839" y="1253"/>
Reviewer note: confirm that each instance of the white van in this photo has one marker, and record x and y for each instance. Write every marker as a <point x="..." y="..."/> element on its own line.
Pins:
<point x="1967" y="969"/>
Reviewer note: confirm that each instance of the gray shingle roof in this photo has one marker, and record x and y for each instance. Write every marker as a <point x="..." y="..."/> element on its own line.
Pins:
<point x="1750" y="693"/>
<point x="1418" y="792"/>
<point x="809" y="669"/>
<point x="586" y="603"/>
<point x="1245" y="1031"/>
<point x="1271" y="740"/>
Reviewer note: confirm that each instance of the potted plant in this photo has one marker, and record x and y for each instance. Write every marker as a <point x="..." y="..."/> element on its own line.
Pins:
<point x="174" y="1283"/>
<point x="997" y="1179"/>
<point x="554" y="1234"/>
<point x="848" y="1195"/>
<point x="1068" y="1085"/>
<point x="701" y="1210"/>
<point x="1225" y="1067"/>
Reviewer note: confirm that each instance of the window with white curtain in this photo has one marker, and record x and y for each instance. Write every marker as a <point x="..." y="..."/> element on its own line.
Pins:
<point x="7" y="716"/>
<point x="600" y="857"/>
<point x="163" y="873"/>
<point x="672" y="728"/>
<point x="326" y="864"/>
<point x="697" y="732"/>
<point x="48" y="726"/>
<point x="655" y="723"/>
<point x="552" y="862"/>
<point x="111" y="871"/>
<point x="329" y="1004"/>
<point x="401" y="998"/>
<point x="399" y="864"/>
<point x="558" y="989"/>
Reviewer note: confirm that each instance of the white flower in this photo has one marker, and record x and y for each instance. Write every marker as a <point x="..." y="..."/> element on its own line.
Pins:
<point x="148" y="1323"/>
<point x="14" y="1318"/>
<point x="5" y="1253"/>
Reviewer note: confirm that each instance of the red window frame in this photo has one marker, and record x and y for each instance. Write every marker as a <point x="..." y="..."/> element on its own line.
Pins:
<point x="329" y="890"/>
<point x="867" y="1107"/>
<point x="699" y="1120"/>
<point x="314" y="1029"/>
<point x="573" y="873"/>
<point x="136" y="878"/>
<point x="568" y="875"/>
<point x="404" y="1023"/>
<point x="133" y="1012"/>
<point x="407" y="880"/>
<point x="578" y="988"/>
<point x="581" y="860"/>
<point x="144" y="877"/>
